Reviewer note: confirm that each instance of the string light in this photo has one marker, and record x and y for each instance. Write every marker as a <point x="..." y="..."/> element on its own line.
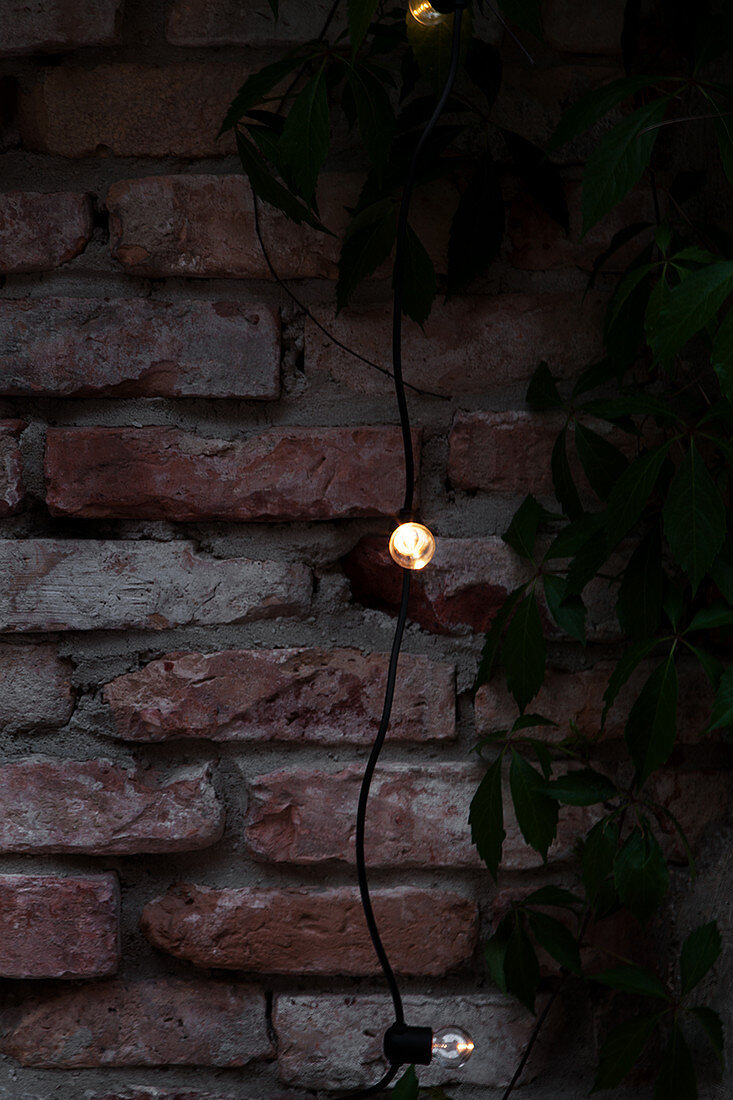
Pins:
<point x="425" y="13"/>
<point x="451" y="1047"/>
<point x="412" y="545"/>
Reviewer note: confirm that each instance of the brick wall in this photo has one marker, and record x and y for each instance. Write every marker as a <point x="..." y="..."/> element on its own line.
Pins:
<point x="195" y="599"/>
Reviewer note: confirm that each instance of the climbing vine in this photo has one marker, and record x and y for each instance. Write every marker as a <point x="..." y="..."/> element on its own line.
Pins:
<point x="641" y="466"/>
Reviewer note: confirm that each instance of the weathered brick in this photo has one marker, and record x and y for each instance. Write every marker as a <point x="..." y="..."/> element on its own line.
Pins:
<point x="41" y="231"/>
<point x="35" y="688"/>
<point x="279" y="474"/>
<point x="418" y="817"/>
<point x="242" y="22"/>
<point x="49" y="26"/>
<point x="55" y="584"/>
<point x="304" y="695"/>
<point x="582" y="27"/>
<point x="469" y="345"/>
<point x="463" y="587"/>
<point x="698" y="800"/>
<point x="147" y="1023"/>
<point x="577" y="696"/>
<point x="540" y="244"/>
<point x="54" y="927"/>
<point x="204" y="226"/>
<point x="12" y="490"/>
<point x="130" y="347"/>
<point x="335" y="1042"/>
<point x="168" y="1094"/>
<point x="303" y="932"/>
<point x="130" y="110"/>
<point x="101" y="808"/>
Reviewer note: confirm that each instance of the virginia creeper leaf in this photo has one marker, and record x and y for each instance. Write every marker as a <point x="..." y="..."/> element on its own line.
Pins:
<point x="640" y="875"/>
<point x="523" y="652"/>
<point x="486" y="818"/>
<point x="694" y="517"/>
<point x="537" y="814"/>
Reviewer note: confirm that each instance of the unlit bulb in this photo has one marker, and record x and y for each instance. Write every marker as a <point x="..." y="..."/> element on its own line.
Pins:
<point x="412" y="545"/>
<point x="452" y="1046"/>
<point x="425" y="13"/>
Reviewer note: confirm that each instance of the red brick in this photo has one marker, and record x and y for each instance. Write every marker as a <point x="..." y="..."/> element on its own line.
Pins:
<point x="303" y="932"/>
<point x="698" y="800"/>
<point x="539" y="243"/>
<point x="279" y="474"/>
<point x="12" y="490"/>
<point x="582" y="27"/>
<point x="130" y="110"/>
<point x="204" y="226"/>
<point x="578" y="697"/>
<point x="65" y="584"/>
<point x="97" y="807"/>
<point x="335" y="1042"/>
<point x="35" y="688"/>
<point x="41" y="231"/>
<point x="303" y="695"/>
<point x="242" y="23"/>
<point x="128" y="347"/>
<point x="147" y="1023"/>
<point x="54" y="927"/>
<point x="49" y="26"/>
<point x="462" y="588"/>
<point x="481" y="345"/>
<point x="418" y="817"/>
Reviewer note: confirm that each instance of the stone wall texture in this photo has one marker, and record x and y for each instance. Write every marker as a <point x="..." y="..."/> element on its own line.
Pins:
<point x="196" y="602"/>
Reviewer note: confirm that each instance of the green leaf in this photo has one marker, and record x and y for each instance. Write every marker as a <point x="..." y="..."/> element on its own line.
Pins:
<point x="521" y="533"/>
<point x="521" y="969"/>
<point x="360" y="14"/>
<point x="486" y="818"/>
<point x="602" y="463"/>
<point x="639" y="603"/>
<point x="691" y="306"/>
<point x="623" y="331"/>
<point x="633" y="656"/>
<point x="557" y="940"/>
<point x="407" y="1088"/>
<point x="722" y="713"/>
<point x="632" y="979"/>
<point x="582" y="788"/>
<point x="597" y="856"/>
<point x="525" y="13"/>
<point x="640" y="874"/>
<point x="477" y="228"/>
<point x="724" y="134"/>
<point x="536" y="813"/>
<point x="699" y="953"/>
<point x="542" y="178"/>
<point x="722" y="356"/>
<point x="417" y="279"/>
<point x="373" y="112"/>
<point x="567" y="611"/>
<point x="651" y="727"/>
<point x="586" y="564"/>
<point x="493" y="637"/>
<point x="632" y="490"/>
<point x="562" y="478"/>
<point x="304" y="141"/>
<point x="634" y="404"/>
<point x="433" y="47"/>
<point x="523" y="652"/>
<point x="495" y="952"/>
<point x="527" y="721"/>
<point x="709" y="618"/>
<point x="484" y="67"/>
<point x="722" y="572"/>
<point x="595" y="105"/>
<point x="267" y="188"/>
<point x="367" y="244"/>
<point x="542" y="393"/>
<point x="622" y="1049"/>
<point x="713" y="1027"/>
<point x="574" y="537"/>
<point x="712" y="667"/>
<point x="676" y="1080"/>
<point x="553" y="895"/>
<point x="694" y="517"/>
<point x="261" y="83"/>
<point x="618" y="161"/>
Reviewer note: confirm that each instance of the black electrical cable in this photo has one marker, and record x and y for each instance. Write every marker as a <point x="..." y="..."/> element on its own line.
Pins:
<point x="361" y="870"/>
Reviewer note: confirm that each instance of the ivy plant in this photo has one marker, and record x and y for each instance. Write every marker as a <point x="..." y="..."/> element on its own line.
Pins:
<point x="641" y="467"/>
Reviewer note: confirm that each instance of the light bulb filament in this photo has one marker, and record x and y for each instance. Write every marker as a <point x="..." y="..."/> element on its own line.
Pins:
<point x="412" y="545"/>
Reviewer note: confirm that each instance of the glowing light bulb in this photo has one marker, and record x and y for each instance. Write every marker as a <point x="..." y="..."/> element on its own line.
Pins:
<point x="425" y="13"/>
<point x="412" y="545"/>
<point x="452" y="1046"/>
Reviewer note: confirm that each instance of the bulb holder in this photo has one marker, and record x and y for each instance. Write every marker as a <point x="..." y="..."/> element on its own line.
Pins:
<point x="405" y="1045"/>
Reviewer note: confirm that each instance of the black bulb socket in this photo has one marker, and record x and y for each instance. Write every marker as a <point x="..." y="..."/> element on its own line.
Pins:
<point x="405" y="1045"/>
